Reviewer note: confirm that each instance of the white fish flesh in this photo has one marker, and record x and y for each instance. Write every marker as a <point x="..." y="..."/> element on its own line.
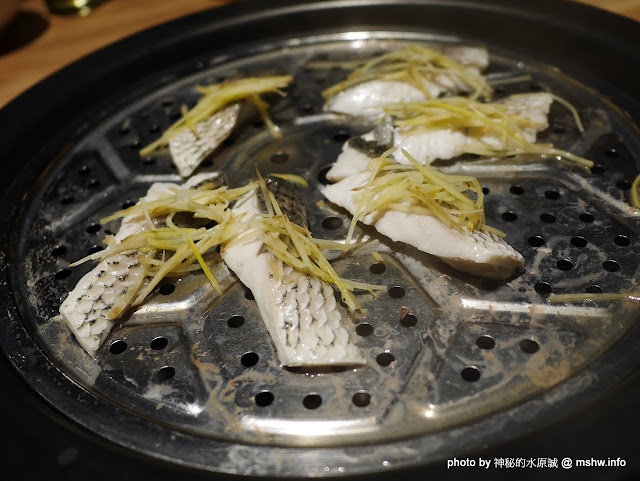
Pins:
<point x="106" y="292"/>
<point x="448" y="143"/>
<point x="367" y="99"/>
<point x="301" y="315"/>
<point x="188" y="148"/>
<point x="478" y="253"/>
<point x="427" y="145"/>
<point x="475" y="59"/>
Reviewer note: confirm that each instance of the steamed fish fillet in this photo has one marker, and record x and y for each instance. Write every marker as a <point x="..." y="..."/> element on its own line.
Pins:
<point x="301" y="314"/>
<point x="355" y="156"/>
<point x="106" y="292"/>
<point x="478" y="253"/>
<point x="446" y="143"/>
<point x="431" y="144"/>
<point x="100" y="297"/>
<point x="367" y="99"/>
<point x="190" y="147"/>
<point x="132" y="224"/>
<point x="475" y="59"/>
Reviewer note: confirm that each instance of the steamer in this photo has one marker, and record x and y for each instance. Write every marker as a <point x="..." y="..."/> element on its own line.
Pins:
<point x="192" y="378"/>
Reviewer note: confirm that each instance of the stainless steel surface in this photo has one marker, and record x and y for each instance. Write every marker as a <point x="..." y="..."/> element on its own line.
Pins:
<point x="445" y="352"/>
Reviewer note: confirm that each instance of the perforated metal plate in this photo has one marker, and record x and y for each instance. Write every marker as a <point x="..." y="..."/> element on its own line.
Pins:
<point x="192" y="376"/>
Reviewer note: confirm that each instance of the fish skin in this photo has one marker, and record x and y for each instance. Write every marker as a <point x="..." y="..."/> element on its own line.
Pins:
<point x="352" y="160"/>
<point x="100" y="297"/>
<point x="188" y="150"/>
<point x="426" y="146"/>
<point x="288" y="200"/>
<point x="478" y="253"/>
<point x="103" y="294"/>
<point x="301" y="316"/>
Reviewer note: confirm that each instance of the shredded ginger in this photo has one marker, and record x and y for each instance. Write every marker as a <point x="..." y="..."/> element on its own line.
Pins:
<point x="415" y="65"/>
<point x="294" y="246"/>
<point x="455" y="200"/>
<point x="635" y="201"/>
<point x="172" y="251"/>
<point x="216" y="97"/>
<point x="479" y="119"/>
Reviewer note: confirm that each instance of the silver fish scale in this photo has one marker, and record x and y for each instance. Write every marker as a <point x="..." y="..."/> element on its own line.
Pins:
<point x="101" y="296"/>
<point x="312" y="320"/>
<point x="193" y="376"/>
<point x="190" y="147"/>
<point x="290" y="301"/>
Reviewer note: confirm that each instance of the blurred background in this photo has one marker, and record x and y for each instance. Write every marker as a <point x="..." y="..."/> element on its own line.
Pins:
<point x="38" y="37"/>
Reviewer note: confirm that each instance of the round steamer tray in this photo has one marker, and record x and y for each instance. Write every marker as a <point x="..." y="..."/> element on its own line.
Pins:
<point x="455" y="364"/>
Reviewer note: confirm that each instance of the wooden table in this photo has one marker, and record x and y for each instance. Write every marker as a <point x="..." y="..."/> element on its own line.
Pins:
<point x="67" y="38"/>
